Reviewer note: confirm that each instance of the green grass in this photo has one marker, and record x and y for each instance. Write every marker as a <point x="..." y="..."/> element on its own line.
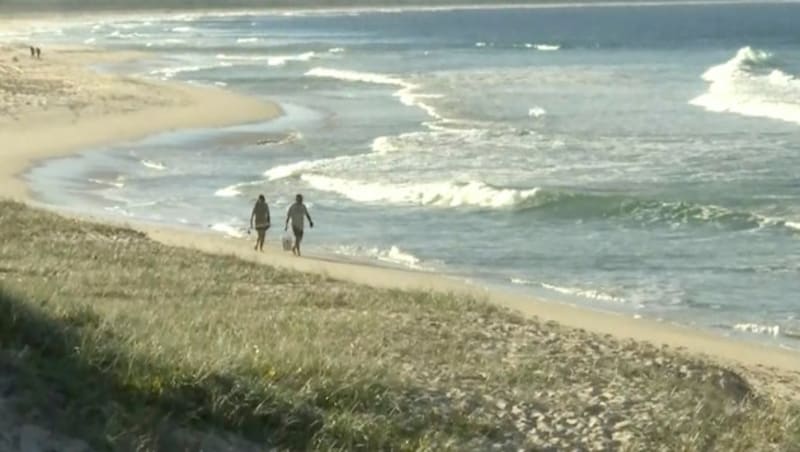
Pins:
<point x="133" y="345"/>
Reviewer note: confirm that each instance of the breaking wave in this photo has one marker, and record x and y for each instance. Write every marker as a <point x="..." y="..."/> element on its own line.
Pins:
<point x="572" y="291"/>
<point x="271" y="60"/>
<point x="392" y="255"/>
<point x="750" y="84"/>
<point x="153" y="165"/>
<point x="755" y="328"/>
<point x="536" y="112"/>
<point x="407" y="92"/>
<point x="437" y="194"/>
<point x="228" y="229"/>
<point x="543" y="47"/>
<point x="567" y="205"/>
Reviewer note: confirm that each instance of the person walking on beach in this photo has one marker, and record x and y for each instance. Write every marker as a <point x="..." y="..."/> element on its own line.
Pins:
<point x="297" y="214"/>
<point x="260" y="219"/>
<point x="38" y="53"/>
<point x="33" y="52"/>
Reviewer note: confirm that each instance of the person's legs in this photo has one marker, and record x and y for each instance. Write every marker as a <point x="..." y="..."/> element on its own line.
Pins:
<point x="298" y="237"/>
<point x="262" y="232"/>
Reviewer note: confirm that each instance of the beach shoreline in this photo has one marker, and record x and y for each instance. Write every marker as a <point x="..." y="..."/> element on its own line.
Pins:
<point x="44" y="132"/>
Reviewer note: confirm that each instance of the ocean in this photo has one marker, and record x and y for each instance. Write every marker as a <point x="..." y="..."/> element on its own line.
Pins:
<point x="643" y="159"/>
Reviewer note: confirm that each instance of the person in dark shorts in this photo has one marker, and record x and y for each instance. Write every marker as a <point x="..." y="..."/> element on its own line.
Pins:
<point x="260" y="220"/>
<point x="297" y="214"/>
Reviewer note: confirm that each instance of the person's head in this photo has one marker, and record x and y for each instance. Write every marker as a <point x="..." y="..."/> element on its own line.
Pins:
<point x="298" y="198"/>
<point x="261" y="198"/>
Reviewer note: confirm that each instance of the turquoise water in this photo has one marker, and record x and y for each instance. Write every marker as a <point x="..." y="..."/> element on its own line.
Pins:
<point x="636" y="159"/>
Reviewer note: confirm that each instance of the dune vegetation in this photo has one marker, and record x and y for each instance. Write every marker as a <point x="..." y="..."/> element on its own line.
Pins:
<point x="110" y="341"/>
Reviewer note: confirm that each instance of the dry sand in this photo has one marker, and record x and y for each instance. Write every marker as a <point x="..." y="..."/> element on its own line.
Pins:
<point x="56" y="106"/>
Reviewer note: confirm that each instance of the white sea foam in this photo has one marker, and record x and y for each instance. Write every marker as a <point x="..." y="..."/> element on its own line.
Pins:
<point x="383" y="145"/>
<point x="544" y="47"/>
<point x="480" y="44"/>
<point x="236" y="189"/>
<point x="750" y="85"/>
<point x="755" y="328"/>
<point x="247" y="40"/>
<point x="407" y="92"/>
<point x="154" y="165"/>
<point x="437" y="194"/>
<point x="228" y="229"/>
<point x="282" y="60"/>
<point x="392" y="255"/>
<point x="291" y="169"/>
<point x="120" y="35"/>
<point x="115" y="183"/>
<point x="228" y="192"/>
<point x="182" y="29"/>
<point x="536" y="112"/>
<point x="584" y="293"/>
<point x="170" y="72"/>
<point x="272" y="60"/>
<point x="336" y="50"/>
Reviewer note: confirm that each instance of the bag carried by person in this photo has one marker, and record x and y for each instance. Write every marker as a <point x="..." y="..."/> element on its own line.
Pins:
<point x="288" y="242"/>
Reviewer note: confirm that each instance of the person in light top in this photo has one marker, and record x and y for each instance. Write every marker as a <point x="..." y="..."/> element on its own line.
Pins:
<point x="260" y="220"/>
<point x="297" y="214"/>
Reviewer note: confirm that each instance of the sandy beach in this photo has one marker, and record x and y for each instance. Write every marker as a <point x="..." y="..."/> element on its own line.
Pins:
<point x="56" y="106"/>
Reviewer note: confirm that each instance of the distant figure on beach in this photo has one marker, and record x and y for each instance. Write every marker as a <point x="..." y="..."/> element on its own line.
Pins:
<point x="260" y="220"/>
<point x="297" y="214"/>
<point x="33" y="52"/>
<point x="38" y="53"/>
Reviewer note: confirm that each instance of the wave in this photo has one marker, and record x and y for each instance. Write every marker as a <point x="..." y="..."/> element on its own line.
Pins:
<point x="228" y="229"/>
<point x="115" y="183"/>
<point x="170" y="72"/>
<point x="228" y="192"/>
<point x="393" y="255"/>
<point x="543" y="47"/>
<point x="751" y="84"/>
<point x="407" y="92"/>
<point x="438" y="194"/>
<point x="536" y="112"/>
<point x="755" y="328"/>
<point x="555" y="203"/>
<point x="153" y="165"/>
<point x="282" y="60"/>
<point x="336" y="50"/>
<point x="231" y="191"/>
<point x="585" y="206"/>
<point x="572" y="291"/>
<point x="293" y="169"/>
<point x="383" y="145"/>
<point x="116" y="34"/>
<point x="182" y="29"/>
<point x="247" y="40"/>
<point x="272" y="60"/>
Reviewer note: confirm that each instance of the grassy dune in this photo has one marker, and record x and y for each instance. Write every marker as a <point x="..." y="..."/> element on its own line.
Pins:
<point x="126" y="344"/>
